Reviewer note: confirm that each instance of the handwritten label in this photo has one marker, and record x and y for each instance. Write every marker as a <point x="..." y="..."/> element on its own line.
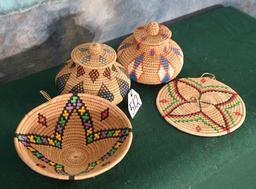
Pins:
<point x="134" y="102"/>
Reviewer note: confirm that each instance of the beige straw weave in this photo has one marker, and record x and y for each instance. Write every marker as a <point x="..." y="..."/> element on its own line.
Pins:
<point x="93" y="70"/>
<point x="150" y="56"/>
<point x="201" y="106"/>
<point x="73" y="136"/>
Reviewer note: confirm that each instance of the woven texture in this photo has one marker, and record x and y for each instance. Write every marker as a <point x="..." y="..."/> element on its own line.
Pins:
<point x="73" y="137"/>
<point x="150" y="56"/>
<point x="201" y="106"/>
<point x="93" y="70"/>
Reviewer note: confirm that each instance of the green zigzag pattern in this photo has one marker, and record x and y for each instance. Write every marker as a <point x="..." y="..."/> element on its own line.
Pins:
<point x="205" y="87"/>
<point x="175" y="100"/>
<point x="198" y="119"/>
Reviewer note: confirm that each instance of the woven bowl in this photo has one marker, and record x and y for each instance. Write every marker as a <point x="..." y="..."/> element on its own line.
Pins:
<point x="150" y="55"/>
<point x="73" y="137"/>
<point x="93" y="70"/>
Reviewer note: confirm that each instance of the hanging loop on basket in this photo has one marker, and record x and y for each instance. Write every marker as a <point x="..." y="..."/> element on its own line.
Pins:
<point x="210" y="75"/>
<point x="45" y="95"/>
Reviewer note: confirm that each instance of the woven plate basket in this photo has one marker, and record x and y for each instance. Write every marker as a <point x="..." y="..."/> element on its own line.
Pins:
<point x="150" y="55"/>
<point x="73" y="137"/>
<point x="93" y="70"/>
<point x="201" y="106"/>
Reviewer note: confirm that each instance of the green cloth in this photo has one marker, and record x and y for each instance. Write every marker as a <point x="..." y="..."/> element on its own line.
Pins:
<point x="221" y="41"/>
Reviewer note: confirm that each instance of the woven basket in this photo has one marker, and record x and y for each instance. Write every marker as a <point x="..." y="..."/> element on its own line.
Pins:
<point x="150" y="56"/>
<point x="73" y="137"/>
<point x="93" y="70"/>
<point x="201" y="106"/>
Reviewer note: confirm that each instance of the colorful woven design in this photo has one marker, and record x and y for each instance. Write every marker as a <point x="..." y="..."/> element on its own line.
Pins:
<point x="83" y="133"/>
<point x="150" y="56"/>
<point x="201" y="106"/>
<point x="93" y="66"/>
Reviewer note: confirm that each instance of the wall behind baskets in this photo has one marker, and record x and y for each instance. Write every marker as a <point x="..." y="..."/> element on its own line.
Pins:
<point x="39" y="34"/>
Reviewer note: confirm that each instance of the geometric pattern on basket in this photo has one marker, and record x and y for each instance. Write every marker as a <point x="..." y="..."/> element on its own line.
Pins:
<point x="102" y="59"/>
<point x="104" y="114"/>
<point x="80" y="71"/>
<point x="79" y="88"/>
<point x="114" y="68"/>
<point x="87" y="57"/>
<point x="165" y="71"/>
<point x="107" y="73"/>
<point x="74" y="105"/>
<point x="42" y="120"/>
<point x="178" y="53"/>
<point x="123" y="87"/>
<point x="135" y="67"/>
<point x="104" y="92"/>
<point x="224" y="119"/>
<point x="61" y="82"/>
<point x="94" y="75"/>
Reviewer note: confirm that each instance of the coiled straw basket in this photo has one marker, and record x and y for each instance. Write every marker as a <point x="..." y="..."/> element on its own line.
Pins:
<point x="150" y="55"/>
<point x="93" y="70"/>
<point x="73" y="136"/>
<point x="201" y="106"/>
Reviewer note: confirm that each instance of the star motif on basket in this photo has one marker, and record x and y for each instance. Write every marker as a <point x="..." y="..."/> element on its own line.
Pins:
<point x="215" y="114"/>
<point x="42" y="120"/>
<point x="135" y="67"/>
<point x="166" y="70"/>
<point x="56" y="141"/>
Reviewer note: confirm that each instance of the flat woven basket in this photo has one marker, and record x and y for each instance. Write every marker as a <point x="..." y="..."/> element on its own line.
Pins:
<point x="73" y="137"/>
<point x="150" y="55"/>
<point x="201" y="106"/>
<point x="93" y="70"/>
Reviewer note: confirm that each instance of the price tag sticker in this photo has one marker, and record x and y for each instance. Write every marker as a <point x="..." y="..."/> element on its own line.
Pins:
<point x="134" y="102"/>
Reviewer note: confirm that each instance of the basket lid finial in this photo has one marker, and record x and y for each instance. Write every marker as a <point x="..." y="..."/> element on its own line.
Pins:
<point x="152" y="34"/>
<point x="152" y="28"/>
<point x="95" y="49"/>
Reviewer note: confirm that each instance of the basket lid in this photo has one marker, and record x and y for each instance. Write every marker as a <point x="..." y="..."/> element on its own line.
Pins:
<point x="93" y="55"/>
<point x="152" y="34"/>
<point x="73" y="136"/>
<point x="201" y="106"/>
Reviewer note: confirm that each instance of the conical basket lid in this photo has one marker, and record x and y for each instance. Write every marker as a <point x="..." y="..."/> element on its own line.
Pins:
<point x="73" y="137"/>
<point x="152" y="34"/>
<point x="201" y="106"/>
<point x="93" y="55"/>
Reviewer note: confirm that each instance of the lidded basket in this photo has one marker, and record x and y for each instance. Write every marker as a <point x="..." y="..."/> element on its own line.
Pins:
<point x="93" y="70"/>
<point x="150" y="55"/>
